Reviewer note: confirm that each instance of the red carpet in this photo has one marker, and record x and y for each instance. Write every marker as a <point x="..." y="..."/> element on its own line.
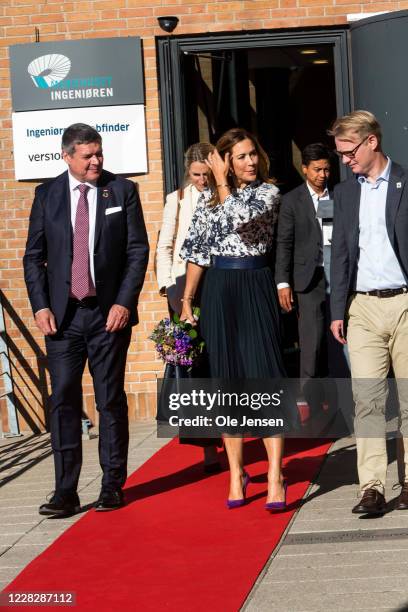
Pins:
<point x="175" y="546"/>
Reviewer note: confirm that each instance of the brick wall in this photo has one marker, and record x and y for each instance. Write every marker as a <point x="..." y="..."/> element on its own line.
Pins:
<point x="63" y="19"/>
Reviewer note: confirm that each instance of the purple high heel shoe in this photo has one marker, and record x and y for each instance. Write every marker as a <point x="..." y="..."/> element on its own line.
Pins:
<point x="237" y="503"/>
<point x="279" y="505"/>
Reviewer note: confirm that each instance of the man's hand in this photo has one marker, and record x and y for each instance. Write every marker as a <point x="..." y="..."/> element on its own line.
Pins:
<point x="118" y="318"/>
<point x="286" y="298"/>
<point x="337" y="329"/>
<point x="45" y="322"/>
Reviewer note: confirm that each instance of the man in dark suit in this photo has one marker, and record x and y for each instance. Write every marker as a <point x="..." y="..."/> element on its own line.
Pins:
<point x="369" y="275"/>
<point x="84" y="265"/>
<point x="300" y="265"/>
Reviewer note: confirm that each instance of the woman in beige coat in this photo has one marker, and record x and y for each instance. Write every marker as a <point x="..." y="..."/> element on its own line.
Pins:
<point x="170" y="268"/>
<point x="177" y="214"/>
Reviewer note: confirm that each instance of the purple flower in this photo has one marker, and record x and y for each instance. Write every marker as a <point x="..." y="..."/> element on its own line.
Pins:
<point x="173" y="343"/>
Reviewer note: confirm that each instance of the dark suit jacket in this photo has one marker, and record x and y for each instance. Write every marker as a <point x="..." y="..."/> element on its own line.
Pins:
<point x="120" y="252"/>
<point x="299" y="240"/>
<point x="345" y="251"/>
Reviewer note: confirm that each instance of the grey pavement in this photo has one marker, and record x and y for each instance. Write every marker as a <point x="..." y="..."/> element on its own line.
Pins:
<point x="331" y="559"/>
<point x="26" y="477"/>
<point x="328" y="559"/>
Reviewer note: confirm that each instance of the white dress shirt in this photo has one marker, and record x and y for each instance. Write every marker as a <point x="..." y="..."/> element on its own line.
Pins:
<point x="92" y="199"/>
<point x="378" y="266"/>
<point x="315" y="197"/>
<point x="327" y="229"/>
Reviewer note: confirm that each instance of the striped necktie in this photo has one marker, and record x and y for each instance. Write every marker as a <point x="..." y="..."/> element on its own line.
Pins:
<point x="81" y="281"/>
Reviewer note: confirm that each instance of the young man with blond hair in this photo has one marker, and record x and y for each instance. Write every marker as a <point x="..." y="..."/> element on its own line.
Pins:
<point x="369" y="274"/>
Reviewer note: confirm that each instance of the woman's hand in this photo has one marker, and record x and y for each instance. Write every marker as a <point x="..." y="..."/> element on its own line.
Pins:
<point x="219" y="167"/>
<point x="193" y="275"/>
<point x="187" y="312"/>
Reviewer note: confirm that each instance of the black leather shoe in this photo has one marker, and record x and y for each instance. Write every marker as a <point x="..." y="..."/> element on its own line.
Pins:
<point x="372" y="502"/>
<point x="109" y="499"/>
<point x="61" y="505"/>
<point x="402" y="500"/>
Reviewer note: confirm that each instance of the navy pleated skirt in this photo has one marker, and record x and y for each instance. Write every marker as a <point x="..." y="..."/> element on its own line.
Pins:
<point x="240" y="324"/>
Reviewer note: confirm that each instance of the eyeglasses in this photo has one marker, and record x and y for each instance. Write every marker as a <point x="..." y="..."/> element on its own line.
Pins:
<point x="350" y="154"/>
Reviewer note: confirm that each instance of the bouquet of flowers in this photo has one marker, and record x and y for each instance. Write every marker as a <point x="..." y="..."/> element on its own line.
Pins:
<point x="177" y="342"/>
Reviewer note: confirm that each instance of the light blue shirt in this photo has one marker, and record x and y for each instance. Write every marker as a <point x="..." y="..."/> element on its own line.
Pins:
<point x="378" y="266"/>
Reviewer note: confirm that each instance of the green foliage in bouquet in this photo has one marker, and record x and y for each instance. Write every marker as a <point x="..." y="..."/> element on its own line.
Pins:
<point x="178" y="342"/>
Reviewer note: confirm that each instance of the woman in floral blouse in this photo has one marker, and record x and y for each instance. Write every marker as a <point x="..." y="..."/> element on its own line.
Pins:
<point x="231" y="234"/>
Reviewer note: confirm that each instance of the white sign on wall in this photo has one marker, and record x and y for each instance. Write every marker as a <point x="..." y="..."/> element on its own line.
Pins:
<point x="37" y="139"/>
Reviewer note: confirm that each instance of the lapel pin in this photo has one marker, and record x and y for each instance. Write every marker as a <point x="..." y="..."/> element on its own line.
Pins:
<point x="398" y="185"/>
<point x="105" y="192"/>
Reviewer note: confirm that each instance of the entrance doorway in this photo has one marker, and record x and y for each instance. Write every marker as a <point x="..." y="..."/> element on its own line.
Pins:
<point x="285" y="95"/>
<point x="286" y="87"/>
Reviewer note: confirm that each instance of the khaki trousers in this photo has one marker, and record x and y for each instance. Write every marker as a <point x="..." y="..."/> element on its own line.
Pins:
<point x="377" y="337"/>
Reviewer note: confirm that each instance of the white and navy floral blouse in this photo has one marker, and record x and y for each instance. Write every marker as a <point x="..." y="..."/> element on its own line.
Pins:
<point x="242" y="226"/>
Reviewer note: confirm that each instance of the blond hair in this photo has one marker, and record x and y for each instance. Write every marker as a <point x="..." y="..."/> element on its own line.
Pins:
<point x="360" y="122"/>
<point x="197" y="152"/>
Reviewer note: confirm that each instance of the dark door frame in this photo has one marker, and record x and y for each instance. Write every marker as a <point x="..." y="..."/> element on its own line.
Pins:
<point x="173" y="107"/>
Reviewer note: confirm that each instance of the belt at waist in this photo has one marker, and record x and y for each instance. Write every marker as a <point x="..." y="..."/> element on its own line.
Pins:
<point x="240" y="263"/>
<point x="385" y="293"/>
<point x="86" y="302"/>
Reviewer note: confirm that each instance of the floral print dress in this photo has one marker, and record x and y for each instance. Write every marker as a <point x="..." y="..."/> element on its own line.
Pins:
<point x="244" y="225"/>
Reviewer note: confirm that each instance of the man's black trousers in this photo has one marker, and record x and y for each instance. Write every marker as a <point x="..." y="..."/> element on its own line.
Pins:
<point x="83" y="336"/>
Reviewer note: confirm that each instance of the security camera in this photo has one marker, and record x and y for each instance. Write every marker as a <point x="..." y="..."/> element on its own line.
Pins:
<point x="168" y="23"/>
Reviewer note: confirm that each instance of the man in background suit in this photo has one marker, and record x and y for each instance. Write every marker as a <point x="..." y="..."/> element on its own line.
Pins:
<point x="369" y="274"/>
<point x="84" y="265"/>
<point x="299" y="262"/>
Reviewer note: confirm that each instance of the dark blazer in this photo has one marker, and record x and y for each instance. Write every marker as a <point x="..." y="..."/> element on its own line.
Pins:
<point x="120" y="253"/>
<point x="299" y="240"/>
<point x="345" y="251"/>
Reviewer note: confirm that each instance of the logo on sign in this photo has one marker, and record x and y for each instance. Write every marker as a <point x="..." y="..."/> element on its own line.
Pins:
<point x="48" y="70"/>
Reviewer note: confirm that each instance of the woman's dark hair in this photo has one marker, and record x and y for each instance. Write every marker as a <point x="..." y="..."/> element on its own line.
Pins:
<point x="225" y="144"/>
